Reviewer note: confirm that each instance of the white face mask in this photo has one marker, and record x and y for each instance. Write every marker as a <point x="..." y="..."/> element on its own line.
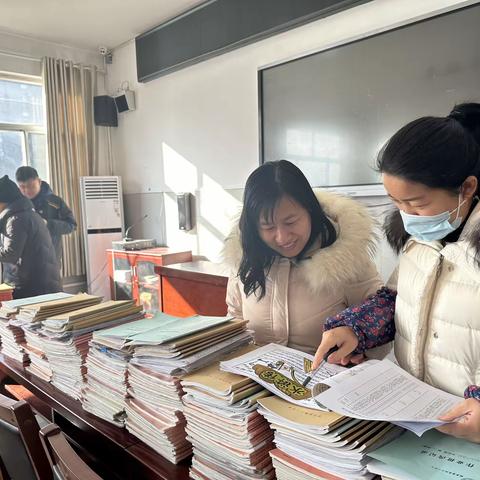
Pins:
<point x="432" y="227"/>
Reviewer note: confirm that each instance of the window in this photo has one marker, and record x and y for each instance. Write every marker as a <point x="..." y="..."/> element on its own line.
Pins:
<point x="23" y="139"/>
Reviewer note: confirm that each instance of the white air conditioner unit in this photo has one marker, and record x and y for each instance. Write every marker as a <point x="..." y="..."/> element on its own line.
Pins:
<point x="102" y="212"/>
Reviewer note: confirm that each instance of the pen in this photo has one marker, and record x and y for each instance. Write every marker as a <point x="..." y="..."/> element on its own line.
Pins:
<point x="309" y="377"/>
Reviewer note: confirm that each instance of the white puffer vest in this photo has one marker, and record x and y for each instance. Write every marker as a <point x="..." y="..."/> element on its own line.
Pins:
<point x="437" y="313"/>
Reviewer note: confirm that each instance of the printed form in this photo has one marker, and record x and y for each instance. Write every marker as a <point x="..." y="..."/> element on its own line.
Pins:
<point x="386" y="392"/>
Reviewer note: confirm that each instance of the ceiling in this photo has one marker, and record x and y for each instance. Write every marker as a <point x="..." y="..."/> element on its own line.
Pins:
<point x="87" y="23"/>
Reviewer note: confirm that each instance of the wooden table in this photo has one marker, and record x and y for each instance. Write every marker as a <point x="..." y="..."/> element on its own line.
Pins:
<point x="193" y="288"/>
<point x="130" y="457"/>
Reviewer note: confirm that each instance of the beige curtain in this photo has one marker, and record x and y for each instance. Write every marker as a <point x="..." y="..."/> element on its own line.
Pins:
<point x="72" y="143"/>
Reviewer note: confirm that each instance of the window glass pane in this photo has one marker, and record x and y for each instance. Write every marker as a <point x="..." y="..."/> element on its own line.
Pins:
<point x="12" y="152"/>
<point x="21" y="103"/>
<point x="37" y="153"/>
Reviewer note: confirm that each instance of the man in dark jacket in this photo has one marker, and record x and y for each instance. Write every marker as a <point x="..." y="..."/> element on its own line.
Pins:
<point x="28" y="258"/>
<point x="59" y="218"/>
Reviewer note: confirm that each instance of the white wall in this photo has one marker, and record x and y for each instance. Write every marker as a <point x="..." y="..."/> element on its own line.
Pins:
<point x="197" y="129"/>
<point x="36" y="48"/>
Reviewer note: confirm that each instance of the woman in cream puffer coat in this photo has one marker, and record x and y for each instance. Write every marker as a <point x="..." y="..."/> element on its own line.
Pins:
<point x="297" y="257"/>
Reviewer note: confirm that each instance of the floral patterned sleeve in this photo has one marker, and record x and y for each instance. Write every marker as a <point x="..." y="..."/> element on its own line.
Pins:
<point x="473" y="391"/>
<point x="372" y="321"/>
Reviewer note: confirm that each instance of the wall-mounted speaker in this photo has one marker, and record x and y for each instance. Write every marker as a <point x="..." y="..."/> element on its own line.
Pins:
<point x="104" y="111"/>
<point x="184" y="204"/>
<point x="125" y="101"/>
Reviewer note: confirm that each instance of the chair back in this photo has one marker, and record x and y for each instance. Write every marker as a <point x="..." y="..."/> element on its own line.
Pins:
<point x="21" y="452"/>
<point x="65" y="462"/>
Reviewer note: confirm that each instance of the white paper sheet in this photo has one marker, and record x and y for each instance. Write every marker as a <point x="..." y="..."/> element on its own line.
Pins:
<point x="282" y="370"/>
<point x="386" y="392"/>
<point x="348" y="373"/>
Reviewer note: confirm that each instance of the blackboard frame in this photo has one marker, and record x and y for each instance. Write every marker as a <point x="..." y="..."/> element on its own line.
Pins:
<point x="363" y="189"/>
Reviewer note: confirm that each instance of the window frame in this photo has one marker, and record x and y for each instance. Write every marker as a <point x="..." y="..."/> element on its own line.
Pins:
<point x="26" y="128"/>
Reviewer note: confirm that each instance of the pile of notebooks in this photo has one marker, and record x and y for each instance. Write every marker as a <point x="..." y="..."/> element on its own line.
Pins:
<point x="230" y="438"/>
<point x="181" y="345"/>
<point x="106" y="381"/>
<point x="162" y="349"/>
<point x="105" y="391"/>
<point x="67" y="336"/>
<point x="107" y="363"/>
<point x="32" y="313"/>
<point x="154" y="412"/>
<point x="35" y="347"/>
<point x="12" y="335"/>
<point x="160" y="357"/>
<point x="317" y="445"/>
<point x="29" y="318"/>
<point x="13" y="340"/>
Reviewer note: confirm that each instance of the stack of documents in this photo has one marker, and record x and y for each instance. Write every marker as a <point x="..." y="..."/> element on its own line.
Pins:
<point x="177" y="346"/>
<point x="229" y="437"/>
<point x="39" y="311"/>
<point x="9" y="308"/>
<point x="106" y="381"/>
<point x="374" y="390"/>
<point x="154" y="412"/>
<point x="163" y="348"/>
<point x="66" y="359"/>
<point x="13" y="341"/>
<point x="67" y="336"/>
<point x="102" y="315"/>
<point x="310" y="440"/>
<point x="12" y="335"/>
<point x="161" y="354"/>
<point x="434" y="456"/>
<point x="35" y="346"/>
<point x="107" y="362"/>
<point x="315" y="444"/>
<point x="292" y="468"/>
<point x="373" y="401"/>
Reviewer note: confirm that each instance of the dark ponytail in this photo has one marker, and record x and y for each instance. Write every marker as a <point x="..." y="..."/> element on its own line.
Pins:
<point x="468" y="115"/>
<point x="439" y="152"/>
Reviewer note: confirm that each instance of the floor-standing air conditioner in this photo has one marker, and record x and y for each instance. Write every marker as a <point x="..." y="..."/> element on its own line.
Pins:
<point x="102" y="211"/>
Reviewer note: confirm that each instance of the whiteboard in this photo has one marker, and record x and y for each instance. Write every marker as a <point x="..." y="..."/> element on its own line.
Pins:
<point x="331" y="112"/>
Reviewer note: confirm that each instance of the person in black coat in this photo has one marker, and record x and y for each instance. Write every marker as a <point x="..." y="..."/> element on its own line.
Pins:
<point x="29" y="261"/>
<point x="59" y="218"/>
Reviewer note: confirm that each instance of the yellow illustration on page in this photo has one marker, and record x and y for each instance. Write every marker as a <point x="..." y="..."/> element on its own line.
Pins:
<point x="289" y="386"/>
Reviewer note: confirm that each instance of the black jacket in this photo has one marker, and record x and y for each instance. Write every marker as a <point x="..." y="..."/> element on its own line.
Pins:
<point x="60" y="219"/>
<point x="29" y="262"/>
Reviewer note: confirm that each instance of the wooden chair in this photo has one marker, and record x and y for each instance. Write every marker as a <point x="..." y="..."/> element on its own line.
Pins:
<point x="39" y="407"/>
<point x="65" y="462"/>
<point x="21" y="453"/>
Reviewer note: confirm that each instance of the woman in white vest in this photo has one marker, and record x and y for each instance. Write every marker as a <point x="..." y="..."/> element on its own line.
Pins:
<point x="296" y="257"/>
<point x="431" y="307"/>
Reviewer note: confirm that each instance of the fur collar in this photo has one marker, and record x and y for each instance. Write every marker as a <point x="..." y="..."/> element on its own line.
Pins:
<point x="342" y="262"/>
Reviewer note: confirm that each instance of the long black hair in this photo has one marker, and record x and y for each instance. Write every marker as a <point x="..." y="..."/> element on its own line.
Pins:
<point x="263" y="190"/>
<point x="439" y="152"/>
